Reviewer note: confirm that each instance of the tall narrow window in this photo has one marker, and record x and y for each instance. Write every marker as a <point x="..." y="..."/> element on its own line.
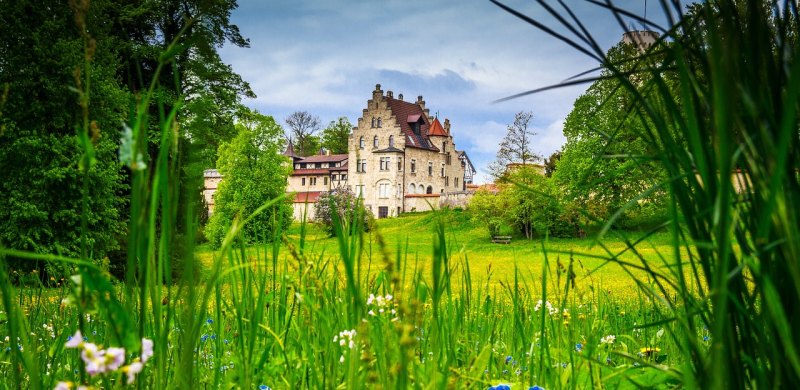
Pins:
<point x="325" y="180"/>
<point x="375" y="142"/>
<point x="373" y="121"/>
<point x="379" y="122"/>
<point x="413" y="165"/>
<point x="399" y="163"/>
<point x="303" y="181"/>
<point x="442" y="170"/>
<point x="385" y="163"/>
<point x="430" y="168"/>
<point x="391" y="141"/>
<point x="361" y="142"/>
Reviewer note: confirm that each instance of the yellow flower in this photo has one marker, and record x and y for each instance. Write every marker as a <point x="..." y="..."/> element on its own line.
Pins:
<point x="647" y="351"/>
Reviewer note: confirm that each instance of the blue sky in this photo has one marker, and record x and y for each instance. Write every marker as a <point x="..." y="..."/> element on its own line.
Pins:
<point x="325" y="57"/>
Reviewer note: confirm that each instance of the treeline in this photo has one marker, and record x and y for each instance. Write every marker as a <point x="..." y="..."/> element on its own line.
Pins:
<point x="86" y="66"/>
<point x="606" y="175"/>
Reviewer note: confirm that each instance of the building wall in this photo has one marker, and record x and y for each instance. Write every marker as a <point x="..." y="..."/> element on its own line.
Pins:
<point x="400" y="180"/>
<point x="322" y="182"/>
<point x="304" y="209"/>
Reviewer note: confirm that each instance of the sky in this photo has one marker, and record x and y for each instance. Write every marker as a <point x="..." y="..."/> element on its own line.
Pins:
<point x="326" y="57"/>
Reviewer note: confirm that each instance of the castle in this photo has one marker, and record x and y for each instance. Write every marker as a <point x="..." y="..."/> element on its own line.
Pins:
<point x="400" y="159"/>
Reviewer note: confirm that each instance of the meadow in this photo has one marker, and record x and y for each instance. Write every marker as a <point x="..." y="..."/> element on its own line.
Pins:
<point x="425" y="301"/>
<point x="432" y="303"/>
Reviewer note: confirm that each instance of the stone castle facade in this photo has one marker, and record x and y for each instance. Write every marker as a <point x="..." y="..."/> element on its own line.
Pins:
<point x="401" y="159"/>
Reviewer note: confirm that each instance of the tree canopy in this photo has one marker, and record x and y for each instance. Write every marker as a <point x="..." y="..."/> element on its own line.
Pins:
<point x="87" y="65"/>
<point x="302" y="131"/>
<point x="516" y="147"/>
<point x="606" y="162"/>
<point x="334" y="137"/>
<point x="254" y="172"/>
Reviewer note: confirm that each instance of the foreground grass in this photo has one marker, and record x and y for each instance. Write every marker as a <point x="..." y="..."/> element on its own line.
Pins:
<point x="280" y="320"/>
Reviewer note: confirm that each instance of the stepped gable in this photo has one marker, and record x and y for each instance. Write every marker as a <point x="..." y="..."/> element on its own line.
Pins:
<point x="405" y="112"/>
<point x="436" y="129"/>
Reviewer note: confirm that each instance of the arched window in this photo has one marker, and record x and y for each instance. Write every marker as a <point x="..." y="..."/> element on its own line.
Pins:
<point x="429" y="190"/>
<point x="379" y="122"/>
<point x="375" y="142"/>
<point x="361" y="142"/>
<point x="391" y="141"/>
<point x="373" y="121"/>
<point x="412" y="188"/>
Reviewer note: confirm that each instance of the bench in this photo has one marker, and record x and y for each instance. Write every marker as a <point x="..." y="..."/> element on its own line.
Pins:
<point x="501" y="239"/>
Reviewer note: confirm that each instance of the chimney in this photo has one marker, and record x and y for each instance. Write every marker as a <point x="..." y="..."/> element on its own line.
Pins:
<point x="377" y="94"/>
<point x="390" y="94"/>
<point x="400" y="96"/>
<point x="447" y="126"/>
<point x="419" y="100"/>
<point x="327" y="152"/>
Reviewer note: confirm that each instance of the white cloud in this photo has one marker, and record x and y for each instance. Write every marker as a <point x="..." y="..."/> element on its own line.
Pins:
<point x="326" y="57"/>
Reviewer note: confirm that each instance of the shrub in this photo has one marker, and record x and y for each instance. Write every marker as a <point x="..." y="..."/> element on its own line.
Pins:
<point x="344" y="203"/>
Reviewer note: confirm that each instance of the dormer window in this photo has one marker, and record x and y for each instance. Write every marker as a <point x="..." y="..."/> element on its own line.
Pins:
<point x="414" y="122"/>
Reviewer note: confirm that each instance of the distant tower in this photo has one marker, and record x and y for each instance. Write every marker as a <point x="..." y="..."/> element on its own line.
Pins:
<point x="643" y="39"/>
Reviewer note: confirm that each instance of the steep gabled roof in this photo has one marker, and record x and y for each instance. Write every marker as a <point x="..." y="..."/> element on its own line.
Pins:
<point x="436" y="129"/>
<point x="403" y="112"/>
<point x="290" y="151"/>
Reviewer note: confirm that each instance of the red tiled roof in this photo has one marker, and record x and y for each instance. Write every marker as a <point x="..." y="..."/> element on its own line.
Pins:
<point x="436" y="129"/>
<point x="307" y="197"/>
<point x="404" y="111"/>
<point x="325" y="158"/>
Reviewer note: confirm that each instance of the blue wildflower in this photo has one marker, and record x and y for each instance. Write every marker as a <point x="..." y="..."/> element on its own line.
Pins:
<point x="264" y="387"/>
<point x="501" y="386"/>
<point x="706" y="338"/>
<point x="508" y="359"/>
<point x="578" y="347"/>
<point x="203" y="338"/>
<point x="86" y="339"/>
<point x="209" y="321"/>
<point x="536" y="388"/>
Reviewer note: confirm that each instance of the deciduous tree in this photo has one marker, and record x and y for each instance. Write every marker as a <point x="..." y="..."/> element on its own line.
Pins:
<point x="302" y="128"/>
<point x="254" y="172"/>
<point x="334" y="137"/>
<point x="516" y="147"/>
<point x="606" y="163"/>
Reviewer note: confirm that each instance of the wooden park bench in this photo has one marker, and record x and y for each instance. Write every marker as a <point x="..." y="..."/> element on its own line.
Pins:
<point x="501" y="239"/>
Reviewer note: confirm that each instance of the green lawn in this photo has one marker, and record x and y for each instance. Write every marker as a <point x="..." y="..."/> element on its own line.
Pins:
<point x="411" y="236"/>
